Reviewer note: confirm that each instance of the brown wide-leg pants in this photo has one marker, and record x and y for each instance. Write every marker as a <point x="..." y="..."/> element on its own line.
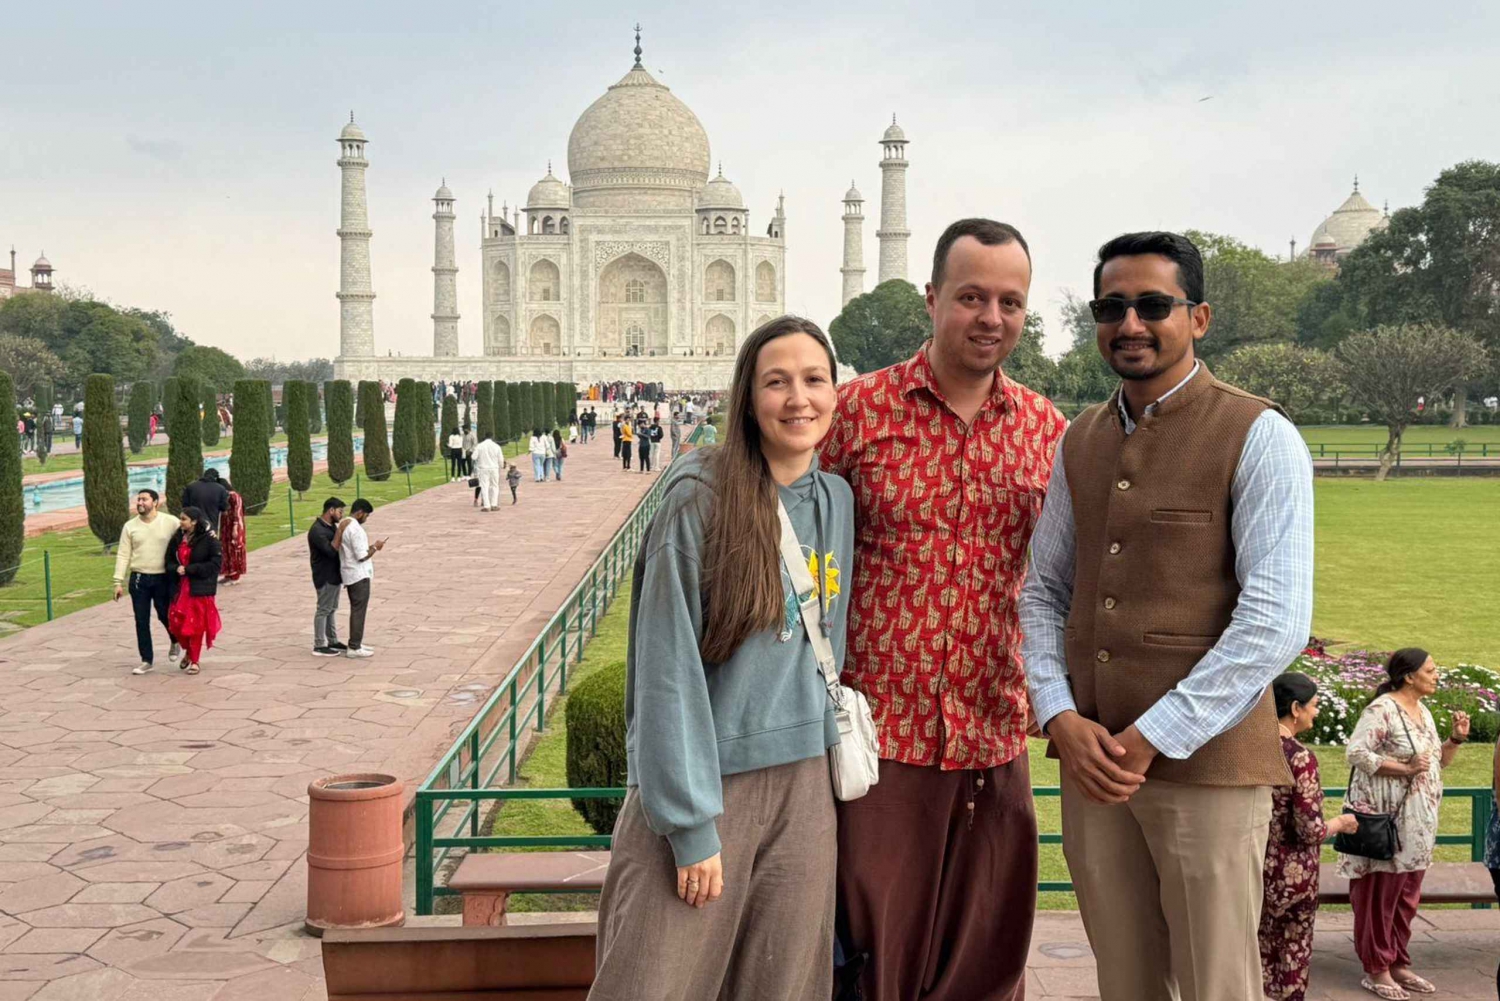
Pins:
<point x="770" y="936"/>
<point x="940" y="896"/>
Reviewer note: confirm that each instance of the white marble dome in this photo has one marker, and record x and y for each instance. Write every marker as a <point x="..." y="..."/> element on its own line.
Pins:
<point x="1350" y="224"/>
<point x="638" y="134"/>
<point x="720" y="193"/>
<point x="549" y="193"/>
<point x="443" y="194"/>
<point x="853" y="195"/>
<point x="352" y="131"/>
<point x="894" y="134"/>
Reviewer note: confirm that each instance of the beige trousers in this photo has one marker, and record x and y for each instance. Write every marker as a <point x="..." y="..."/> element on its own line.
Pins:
<point x="1170" y="888"/>
<point x="768" y="938"/>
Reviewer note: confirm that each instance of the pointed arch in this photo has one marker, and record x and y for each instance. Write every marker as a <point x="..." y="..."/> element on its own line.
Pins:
<point x="765" y="282"/>
<point x="718" y="335"/>
<point x="719" y="282"/>
<point x="500" y="341"/>
<point x="546" y="335"/>
<point x="544" y="283"/>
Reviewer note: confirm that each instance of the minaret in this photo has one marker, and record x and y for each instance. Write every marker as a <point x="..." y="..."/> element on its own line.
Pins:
<point x="356" y="299"/>
<point x="893" y="233"/>
<point x="854" y="244"/>
<point x="444" y="279"/>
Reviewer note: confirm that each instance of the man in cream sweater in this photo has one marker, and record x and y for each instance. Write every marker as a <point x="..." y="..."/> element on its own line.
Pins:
<point x="141" y="560"/>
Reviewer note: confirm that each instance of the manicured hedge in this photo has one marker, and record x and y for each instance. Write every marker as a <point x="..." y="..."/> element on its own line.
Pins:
<point x="168" y="393"/>
<point x="377" y="445"/>
<point x="596" y="742"/>
<point x="299" y="462"/>
<point x="485" y="424"/>
<point x="138" y="417"/>
<point x="12" y="502"/>
<point x="516" y="399"/>
<point x="504" y="431"/>
<point x="428" y="417"/>
<point x="44" y="427"/>
<point x="404" y="441"/>
<point x="314" y="409"/>
<point x="210" y="415"/>
<point x="549" y="405"/>
<point x="450" y="418"/>
<point x="339" y="397"/>
<point x="184" y="451"/>
<point x="105" y="484"/>
<point x="250" y="456"/>
<point x="566" y="400"/>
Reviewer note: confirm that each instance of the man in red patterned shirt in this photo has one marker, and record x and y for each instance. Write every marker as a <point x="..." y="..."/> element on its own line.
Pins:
<point x="949" y="460"/>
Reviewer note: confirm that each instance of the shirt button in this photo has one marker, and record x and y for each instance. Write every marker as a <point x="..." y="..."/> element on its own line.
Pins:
<point x="1109" y="603"/>
<point x="1103" y="656"/>
<point x="1123" y="484"/>
<point x="1114" y="548"/>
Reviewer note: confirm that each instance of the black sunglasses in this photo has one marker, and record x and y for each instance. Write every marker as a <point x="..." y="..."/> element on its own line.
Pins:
<point x="1149" y="308"/>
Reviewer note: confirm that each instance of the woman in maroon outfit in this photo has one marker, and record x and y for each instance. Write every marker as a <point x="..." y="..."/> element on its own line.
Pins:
<point x="194" y="558"/>
<point x="1297" y="833"/>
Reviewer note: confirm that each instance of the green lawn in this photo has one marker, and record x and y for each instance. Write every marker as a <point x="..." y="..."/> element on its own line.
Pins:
<point x="1369" y="438"/>
<point x="1410" y="562"/>
<point x="82" y="571"/>
<point x="74" y="460"/>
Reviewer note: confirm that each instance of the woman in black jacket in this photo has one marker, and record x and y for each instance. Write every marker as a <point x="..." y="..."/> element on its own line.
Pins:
<point x="194" y="558"/>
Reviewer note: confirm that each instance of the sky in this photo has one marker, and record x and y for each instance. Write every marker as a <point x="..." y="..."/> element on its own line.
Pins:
<point x="181" y="157"/>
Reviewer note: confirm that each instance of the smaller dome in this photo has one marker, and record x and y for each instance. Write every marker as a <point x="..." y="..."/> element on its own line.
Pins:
<point x="42" y="263"/>
<point x="443" y="193"/>
<point x="720" y="193"/>
<point x="894" y="133"/>
<point x="352" y="131"/>
<point x="549" y="193"/>
<point x="853" y="195"/>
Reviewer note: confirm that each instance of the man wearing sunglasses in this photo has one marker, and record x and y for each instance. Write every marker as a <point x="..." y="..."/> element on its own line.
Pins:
<point x="1171" y="580"/>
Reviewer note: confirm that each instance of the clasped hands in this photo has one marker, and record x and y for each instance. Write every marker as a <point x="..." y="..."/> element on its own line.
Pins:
<point x="1109" y="768"/>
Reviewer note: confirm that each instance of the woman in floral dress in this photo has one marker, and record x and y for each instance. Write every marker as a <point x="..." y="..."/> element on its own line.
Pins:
<point x="1397" y="761"/>
<point x="232" y="537"/>
<point x="1297" y="832"/>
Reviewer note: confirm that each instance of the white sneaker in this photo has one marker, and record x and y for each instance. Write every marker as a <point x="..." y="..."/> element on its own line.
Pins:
<point x="175" y="652"/>
<point x="144" y="668"/>
<point x="363" y="651"/>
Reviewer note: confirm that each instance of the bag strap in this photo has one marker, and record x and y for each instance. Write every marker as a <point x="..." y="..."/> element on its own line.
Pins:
<point x="810" y="600"/>
<point x="1410" y="743"/>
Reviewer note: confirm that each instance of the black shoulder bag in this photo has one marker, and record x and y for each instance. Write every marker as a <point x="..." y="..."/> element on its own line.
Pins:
<point x="1376" y="837"/>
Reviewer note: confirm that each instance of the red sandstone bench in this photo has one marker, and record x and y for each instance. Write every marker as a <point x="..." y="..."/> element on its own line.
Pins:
<point x="487" y="880"/>
<point x="1445" y="883"/>
<point x="552" y="962"/>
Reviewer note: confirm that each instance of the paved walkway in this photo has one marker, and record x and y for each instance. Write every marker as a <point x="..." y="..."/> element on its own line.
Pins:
<point x="152" y="829"/>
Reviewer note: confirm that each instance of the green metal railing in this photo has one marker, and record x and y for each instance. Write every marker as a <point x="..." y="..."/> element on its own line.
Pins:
<point x="1480" y="803"/>
<point x="450" y="801"/>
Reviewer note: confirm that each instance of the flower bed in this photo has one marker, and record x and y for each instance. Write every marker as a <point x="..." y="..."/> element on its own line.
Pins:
<point x="1347" y="683"/>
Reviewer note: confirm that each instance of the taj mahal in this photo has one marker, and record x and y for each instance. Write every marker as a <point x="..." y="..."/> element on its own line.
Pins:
<point x="640" y="267"/>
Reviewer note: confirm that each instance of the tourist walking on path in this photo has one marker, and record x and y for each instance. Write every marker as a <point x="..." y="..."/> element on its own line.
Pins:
<point x="676" y="433"/>
<point x="1396" y="762"/>
<point x="538" y="449"/>
<point x="326" y="579"/>
<point x="78" y="431"/>
<point x="617" y="431"/>
<point x="513" y="478"/>
<point x="455" y="455"/>
<point x="643" y="448"/>
<point x="471" y="442"/>
<point x="232" y="536"/>
<point x="194" y="559"/>
<point x="208" y="495"/>
<point x="488" y="458"/>
<point x="141" y="565"/>
<point x="938" y="864"/>
<point x="1171" y="581"/>
<point x="656" y="432"/>
<point x="560" y="448"/>
<point x="627" y="443"/>
<point x="1296" y="836"/>
<point x="357" y="570"/>
<point x="721" y="879"/>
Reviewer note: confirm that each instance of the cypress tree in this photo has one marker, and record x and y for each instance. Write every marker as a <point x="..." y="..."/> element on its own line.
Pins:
<point x="549" y="405"/>
<point x="314" y="410"/>
<point x="250" y="455"/>
<point x="44" y="426"/>
<point x="501" y="405"/>
<point x="12" y="506"/>
<point x="427" y="442"/>
<point x="105" y="484"/>
<point x="377" y="446"/>
<point x="567" y="402"/>
<point x="359" y="405"/>
<point x="299" y="464"/>
<point x="168" y="394"/>
<point x="210" y="415"/>
<point x="339" y="398"/>
<point x="450" y="416"/>
<point x="184" y="451"/>
<point x="404" y="433"/>
<point x="516" y="397"/>
<point x="138" y="419"/>
<point x="539" y="413"/>
<point x="528" y="419"/>
<point x="485" y="423"/>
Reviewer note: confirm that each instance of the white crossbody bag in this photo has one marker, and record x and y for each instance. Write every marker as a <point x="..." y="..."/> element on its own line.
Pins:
<point x="854" y="762"/>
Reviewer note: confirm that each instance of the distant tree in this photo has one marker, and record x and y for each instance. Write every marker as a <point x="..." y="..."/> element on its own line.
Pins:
<point x="217" y="368"/>
<point x="12" y="504"/>
<point x="138" y="415"/>
<point x="279" y="372"/>
<point x="1389" y="369"/>
<point x="515" y="394"/>
<point x="1256" y="298"/>
<point x="299" y="462"/>
<point x="881" y="327"/>
<point x="339" y="397"/>
<point x="184" y="450"/>
<point x="426" y="440"/>
<point x="541" y="416"/>
<point x="548" y="397"/>
<point x="168" y="391"/>
<point x="359" y="405"/>
<point x="44" y="428"/>
<point x="450" y="415"/>
<point x="500" y="408"/>
<point x="105" y="485"/>
<point x="566" y="400"/>
<point x="404" y="443"/>
<point x="1083" y="376"/>
<point x="377" y="445"/>
<point x="314" y="407"/>
<point x="1028" y="364"/>
<point x="250" y="454"/>
<point x="28" y="361"/>
<point x="485" y="420"/>
<point x="1305" y="381"/>
<point x="210" y="401"/>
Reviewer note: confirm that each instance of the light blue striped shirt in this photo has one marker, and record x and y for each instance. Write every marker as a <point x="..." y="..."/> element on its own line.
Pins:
<point x="1272" y="529"/>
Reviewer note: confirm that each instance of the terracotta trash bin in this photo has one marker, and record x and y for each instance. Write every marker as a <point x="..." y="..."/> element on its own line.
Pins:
<point x="354" y="852"/>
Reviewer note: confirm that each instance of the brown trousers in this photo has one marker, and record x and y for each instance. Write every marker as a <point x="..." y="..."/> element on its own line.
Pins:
<point x="770" y="936"/>
<point x="1385" y="904"/>
<point x="940" y="894"/>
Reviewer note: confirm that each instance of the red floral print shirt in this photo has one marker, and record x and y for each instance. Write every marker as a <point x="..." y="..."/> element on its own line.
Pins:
<point x="944" y="512"/>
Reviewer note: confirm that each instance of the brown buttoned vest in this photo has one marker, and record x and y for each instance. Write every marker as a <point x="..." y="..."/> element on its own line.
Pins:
<point x="1154" y="583"/>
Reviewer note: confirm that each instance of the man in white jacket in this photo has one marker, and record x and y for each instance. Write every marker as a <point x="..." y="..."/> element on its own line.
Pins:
<point x="489" y="458"/>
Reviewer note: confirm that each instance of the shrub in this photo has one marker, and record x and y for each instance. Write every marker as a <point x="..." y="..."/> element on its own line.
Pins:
<point x="105" y="485"/>
<point x="596" y="742"/>
<point x="298" y="442"/>
<point x="138" y="417"/>
<point x="566" y="394"/>
<point x="250" y="455"/>
<point x="404" y="442"/>
<point x="168" y="394"/>
<point x="500" y="405"/>
<point x="12" y="504"/>
<point x="485" y="423"/>
<point x="377" y="445"/>
<point x="210" y="415"/>
<point x="541" y="405"/>
<point x="184" y="451"/>
<point x="359" y="405"/>
<point x="549" y="405"/>
<point x="340" y="402"/>
<point x="426" y="416"/>
<point x="314" y="410"/>
<point x="44" y="428"/>
<point x="450" y="418"/>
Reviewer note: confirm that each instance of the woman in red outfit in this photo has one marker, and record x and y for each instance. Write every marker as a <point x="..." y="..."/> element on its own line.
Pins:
<point x="194" y="558"/>
<point x="232" y="536"/>
<point x="1297" y="832"/>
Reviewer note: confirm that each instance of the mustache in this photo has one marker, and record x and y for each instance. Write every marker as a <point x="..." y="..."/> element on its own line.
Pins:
<point x="1116" y="343"/>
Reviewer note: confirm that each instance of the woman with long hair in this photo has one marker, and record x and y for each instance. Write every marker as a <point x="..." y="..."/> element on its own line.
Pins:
<point x="559" y="453"/>
<point x="232" y="536"/>
<point x="194" y="559"/>
<point x="1396" y="760"/>
<point x="721" y="880"/>
<point x="1297" y="833"/>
